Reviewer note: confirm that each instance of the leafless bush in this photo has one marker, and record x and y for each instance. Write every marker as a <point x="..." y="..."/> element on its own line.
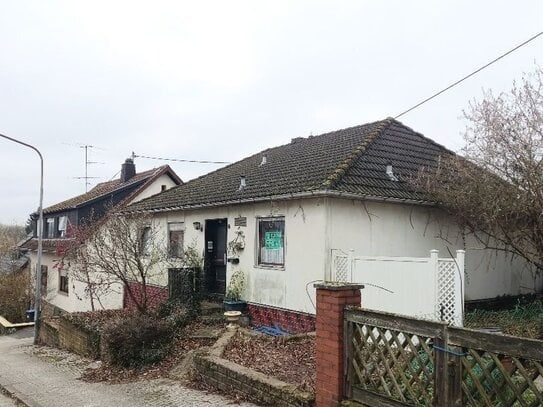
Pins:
<point x="495" y="191"/>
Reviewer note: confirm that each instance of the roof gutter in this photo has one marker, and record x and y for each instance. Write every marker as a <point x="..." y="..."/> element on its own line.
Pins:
<point x="290" y="196"/>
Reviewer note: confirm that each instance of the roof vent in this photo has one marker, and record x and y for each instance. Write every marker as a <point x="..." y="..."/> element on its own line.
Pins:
<point x="390" y="173"/>
<point x="242" y="182"/>
<point x="264" y="159"/>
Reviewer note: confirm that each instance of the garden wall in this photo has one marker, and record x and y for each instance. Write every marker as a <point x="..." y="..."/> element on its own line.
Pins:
<point x="61" y="333"/>
<point x="229" y="376"/>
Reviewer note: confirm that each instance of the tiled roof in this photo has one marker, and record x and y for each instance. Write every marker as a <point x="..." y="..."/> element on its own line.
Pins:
<point x="348" y="161"/>
<point x="48" y="245"/>
<point x="12" y="263"/>
<point x="109" y="187"/>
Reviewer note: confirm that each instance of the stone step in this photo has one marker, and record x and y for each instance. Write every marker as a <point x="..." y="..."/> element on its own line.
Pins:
<point x="209" y="308"/>
<point x="215" y="319"/>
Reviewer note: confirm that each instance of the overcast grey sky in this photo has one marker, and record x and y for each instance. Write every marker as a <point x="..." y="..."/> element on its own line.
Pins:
<point x="220" y="80"/>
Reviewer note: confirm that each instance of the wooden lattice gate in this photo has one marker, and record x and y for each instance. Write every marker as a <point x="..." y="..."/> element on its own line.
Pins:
<point x="392" y="360"/>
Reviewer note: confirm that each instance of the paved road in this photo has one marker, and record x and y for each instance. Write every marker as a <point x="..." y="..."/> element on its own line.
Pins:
<point x="45" y="377"/>
<point x="6" y="401"/>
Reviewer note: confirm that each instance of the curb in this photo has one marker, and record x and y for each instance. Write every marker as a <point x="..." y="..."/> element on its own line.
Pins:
<point x="20" y="399"/>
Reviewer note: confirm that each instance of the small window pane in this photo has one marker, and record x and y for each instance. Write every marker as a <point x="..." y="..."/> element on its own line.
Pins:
<point x="175" y="239"/>
<point x="145" y="240"/>
<point x="271" y="239"/>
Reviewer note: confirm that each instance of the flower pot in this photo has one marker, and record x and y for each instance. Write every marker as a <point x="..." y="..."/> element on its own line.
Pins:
<point x="235" y="305"/>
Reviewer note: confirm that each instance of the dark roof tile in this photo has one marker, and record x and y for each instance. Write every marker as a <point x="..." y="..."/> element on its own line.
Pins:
<point x="109" y="187"/>
<point x="351" y="160"/>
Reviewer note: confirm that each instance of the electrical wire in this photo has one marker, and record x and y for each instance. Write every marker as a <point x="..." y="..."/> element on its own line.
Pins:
<point x="470" y="75"/>
<point x="180" y="160"/>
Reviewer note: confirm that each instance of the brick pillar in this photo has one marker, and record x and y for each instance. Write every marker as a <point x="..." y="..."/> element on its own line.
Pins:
<point x="331" y="299"/>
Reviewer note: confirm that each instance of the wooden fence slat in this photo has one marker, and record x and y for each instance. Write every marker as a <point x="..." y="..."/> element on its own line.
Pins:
<point x="500" y="344"/>
<point x="394" y="322"/>
<point x="375" y="400"/>
<point x="388" y="363"/>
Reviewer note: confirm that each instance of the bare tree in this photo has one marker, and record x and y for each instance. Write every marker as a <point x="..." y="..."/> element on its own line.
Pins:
<point x="10" y="235"/>
<point x="495" y="191"/>
<point x="118" y="249"/>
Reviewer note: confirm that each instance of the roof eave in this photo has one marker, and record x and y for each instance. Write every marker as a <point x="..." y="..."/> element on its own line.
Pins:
<point x="289" y="196"/>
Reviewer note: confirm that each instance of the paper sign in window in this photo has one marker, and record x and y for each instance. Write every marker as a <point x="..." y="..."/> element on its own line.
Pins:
<point x="273" y="240"/>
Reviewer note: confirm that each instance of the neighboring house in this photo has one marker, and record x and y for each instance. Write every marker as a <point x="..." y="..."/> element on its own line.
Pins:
<point x="14" y="262"/>
<point x="59" y="219"/>
<point x="287" y="208"/>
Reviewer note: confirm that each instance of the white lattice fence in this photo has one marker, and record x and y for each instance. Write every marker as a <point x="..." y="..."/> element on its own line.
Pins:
<point x="428" y="287"/>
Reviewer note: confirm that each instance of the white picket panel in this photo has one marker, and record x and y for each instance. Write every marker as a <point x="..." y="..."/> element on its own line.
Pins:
<point x="428" y="287"/>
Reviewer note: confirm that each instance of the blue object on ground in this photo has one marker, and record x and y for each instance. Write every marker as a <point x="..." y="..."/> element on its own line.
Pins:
<point x="271" y="330"/>
<point x="30" y="314"/>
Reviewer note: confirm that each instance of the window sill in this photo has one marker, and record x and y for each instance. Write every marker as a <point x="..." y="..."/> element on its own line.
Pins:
<point x="67" y="294"/>
<point x="269" y="267"/>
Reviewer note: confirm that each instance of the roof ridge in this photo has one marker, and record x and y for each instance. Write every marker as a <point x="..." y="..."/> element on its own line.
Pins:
<point x="347" y="163"/>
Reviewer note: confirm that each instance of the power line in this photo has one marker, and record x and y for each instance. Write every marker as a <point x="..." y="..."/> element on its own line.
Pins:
<point x="470" y="75"/>
<point x="180" y="160"/>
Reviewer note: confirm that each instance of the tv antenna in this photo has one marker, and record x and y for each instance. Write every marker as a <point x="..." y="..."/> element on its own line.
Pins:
<point x="87" y="162"/>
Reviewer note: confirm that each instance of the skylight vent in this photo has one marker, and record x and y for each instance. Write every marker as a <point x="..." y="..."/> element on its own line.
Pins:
<point x="390" y="173"/>
<point x="242" y="182"/>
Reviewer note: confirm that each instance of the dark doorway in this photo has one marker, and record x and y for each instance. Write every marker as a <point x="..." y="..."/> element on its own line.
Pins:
<point x="215" y="258"/>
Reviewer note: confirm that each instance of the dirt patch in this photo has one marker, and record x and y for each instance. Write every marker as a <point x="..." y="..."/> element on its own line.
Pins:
<point x="291" y="360"/>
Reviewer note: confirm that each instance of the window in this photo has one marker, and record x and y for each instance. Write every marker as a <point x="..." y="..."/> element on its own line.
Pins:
<point x="62" y="225"/>
<point x="175" y="239"/>
<point x="163" y="188"/>
<point x="63" y="281"/>
<point x="271" y="241"/>
<point x="145" y="240"/>
<point x="50" y="231"/>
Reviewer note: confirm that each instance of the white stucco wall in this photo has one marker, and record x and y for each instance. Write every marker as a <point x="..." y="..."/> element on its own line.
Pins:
<point x="304" y="248"/>
<point x="76" y="299"/>
<point x="155" y="188"/>
<point x="391" y="229"/>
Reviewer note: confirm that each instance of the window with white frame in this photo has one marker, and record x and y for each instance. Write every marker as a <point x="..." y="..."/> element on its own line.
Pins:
<point x="145" y="240"/>
<point x="62" y="225"/>
<point x="50" y="228"/>
<point x="176" y="232"/>
<point x="271" y="241"/>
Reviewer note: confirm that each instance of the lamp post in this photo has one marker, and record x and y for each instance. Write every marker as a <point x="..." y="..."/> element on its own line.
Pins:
<point x="37" y="302"/>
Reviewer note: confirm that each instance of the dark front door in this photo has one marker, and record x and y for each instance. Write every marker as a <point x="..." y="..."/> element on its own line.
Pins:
<point x="215" y="259"/>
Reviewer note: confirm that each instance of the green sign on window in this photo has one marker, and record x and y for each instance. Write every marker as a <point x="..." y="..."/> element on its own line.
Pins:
<point x="273" y="240"/>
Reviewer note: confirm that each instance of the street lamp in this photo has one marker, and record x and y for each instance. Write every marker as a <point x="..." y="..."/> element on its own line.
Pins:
<point x="37" y="302"/>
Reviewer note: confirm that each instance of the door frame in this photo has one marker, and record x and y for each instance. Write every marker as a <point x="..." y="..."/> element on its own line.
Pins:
<point x="214" y="285"/>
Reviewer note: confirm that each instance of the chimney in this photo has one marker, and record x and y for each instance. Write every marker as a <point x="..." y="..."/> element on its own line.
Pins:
<point x="128" y="170"/>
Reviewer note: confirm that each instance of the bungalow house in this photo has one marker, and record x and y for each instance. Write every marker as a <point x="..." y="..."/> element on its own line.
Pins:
<point x="278" y="216"/>
<point x="59" y="220"/>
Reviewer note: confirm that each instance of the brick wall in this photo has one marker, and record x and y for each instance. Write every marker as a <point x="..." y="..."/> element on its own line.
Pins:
<point x="289" y="321"/>
<point x="156" y="295"/>
<point x="229" y="376"/>
<point x="331" y="300"/>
